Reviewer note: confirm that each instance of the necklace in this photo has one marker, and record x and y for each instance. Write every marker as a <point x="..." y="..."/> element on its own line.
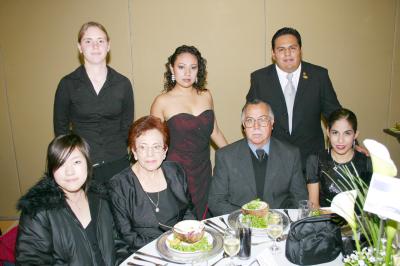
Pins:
<point x="152" y="202"/>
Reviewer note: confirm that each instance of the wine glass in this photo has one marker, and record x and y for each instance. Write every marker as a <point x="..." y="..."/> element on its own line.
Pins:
<point x="275" y="229"/>
<point x="231" y="243"/>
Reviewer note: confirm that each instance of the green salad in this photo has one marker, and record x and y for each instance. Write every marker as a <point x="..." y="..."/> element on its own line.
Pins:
<point x="201" y="245"/>
<point x="255" y="221"/>
<point x="253" y="205"/>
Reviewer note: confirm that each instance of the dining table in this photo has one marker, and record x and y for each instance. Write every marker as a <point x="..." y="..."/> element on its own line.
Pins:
<point x="261" y="254"/>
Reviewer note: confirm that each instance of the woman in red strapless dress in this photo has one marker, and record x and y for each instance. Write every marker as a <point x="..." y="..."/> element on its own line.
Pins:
<point x="187" y="106"/>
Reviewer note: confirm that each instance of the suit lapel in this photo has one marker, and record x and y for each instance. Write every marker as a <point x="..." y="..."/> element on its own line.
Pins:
<point x="243" y="160"/>
<point x="301" y="89"/>
<point x="279" y="107"/>
<point x="272" y="170"/>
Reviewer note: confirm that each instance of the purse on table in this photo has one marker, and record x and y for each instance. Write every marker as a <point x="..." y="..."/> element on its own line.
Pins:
<point x="314" y="240"/>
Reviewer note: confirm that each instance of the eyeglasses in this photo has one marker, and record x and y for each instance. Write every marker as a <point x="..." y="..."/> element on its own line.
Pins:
<point x="143" y="149"/>
<point x="262" y="121"/>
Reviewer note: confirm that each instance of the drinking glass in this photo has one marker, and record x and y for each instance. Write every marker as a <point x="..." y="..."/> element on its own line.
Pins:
<point x="275" y="229"/>
<point x="231" y="243"/>
<point x="305" y="207"/>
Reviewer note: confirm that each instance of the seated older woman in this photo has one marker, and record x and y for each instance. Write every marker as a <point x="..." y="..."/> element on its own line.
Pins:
<point x="152" y="192"/>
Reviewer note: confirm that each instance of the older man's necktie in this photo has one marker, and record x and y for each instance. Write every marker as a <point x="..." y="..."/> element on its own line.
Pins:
<point x="290" y="94"/>
<point x="260" y="154"/>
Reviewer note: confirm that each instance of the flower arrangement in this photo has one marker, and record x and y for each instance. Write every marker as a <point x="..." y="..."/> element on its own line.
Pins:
<point x="378" y="250"/>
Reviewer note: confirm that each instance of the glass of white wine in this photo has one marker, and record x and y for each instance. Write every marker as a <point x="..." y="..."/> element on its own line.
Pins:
<point x="275" y="229"/>
<point x="231" y="243"/>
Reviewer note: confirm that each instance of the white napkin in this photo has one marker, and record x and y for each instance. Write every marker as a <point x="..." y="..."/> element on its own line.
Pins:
<point x="265" y="258"/>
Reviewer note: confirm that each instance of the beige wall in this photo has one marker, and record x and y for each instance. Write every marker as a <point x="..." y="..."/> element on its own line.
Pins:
<point x="358" y="41"/>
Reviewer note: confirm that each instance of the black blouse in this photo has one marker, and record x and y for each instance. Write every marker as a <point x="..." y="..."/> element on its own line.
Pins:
<point x="321" y="168"/>
<point x="135" y="215"/>
<point x="103" y="120"/>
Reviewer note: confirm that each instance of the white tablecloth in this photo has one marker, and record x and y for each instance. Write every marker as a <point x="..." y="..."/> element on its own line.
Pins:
<point x="257" y="251"/>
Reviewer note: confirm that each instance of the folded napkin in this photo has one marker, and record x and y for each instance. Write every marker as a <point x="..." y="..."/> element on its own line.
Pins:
<point x="265" y="258"/>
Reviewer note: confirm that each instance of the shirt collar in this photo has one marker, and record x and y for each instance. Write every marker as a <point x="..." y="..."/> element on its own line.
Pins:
<point x="254" y="148"/>
<point x="282" y="75"/>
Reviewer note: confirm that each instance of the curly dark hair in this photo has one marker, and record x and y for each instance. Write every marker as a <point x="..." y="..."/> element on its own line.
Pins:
<point x="201" y="74"/>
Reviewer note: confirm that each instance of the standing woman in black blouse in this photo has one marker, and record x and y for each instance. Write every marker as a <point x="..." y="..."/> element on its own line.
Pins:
<point x="96" y="102"/>
<point x="324" y="178"/>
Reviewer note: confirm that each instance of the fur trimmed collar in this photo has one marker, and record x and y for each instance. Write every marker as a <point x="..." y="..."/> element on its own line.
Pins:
<point x="47" y="195"/>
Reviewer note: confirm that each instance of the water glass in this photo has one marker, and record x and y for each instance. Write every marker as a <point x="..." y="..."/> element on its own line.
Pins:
<point x="305" y="207"/>
<point x="231" y="243"/>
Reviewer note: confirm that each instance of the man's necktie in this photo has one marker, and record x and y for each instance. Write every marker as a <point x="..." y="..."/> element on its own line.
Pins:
<point x="260" y="154"/>
<point x="290" y="94"/>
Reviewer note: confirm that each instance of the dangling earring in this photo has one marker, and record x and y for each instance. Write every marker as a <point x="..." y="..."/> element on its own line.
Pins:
<point x="354" y="143"/>
<point x="195" y="80"/>
<point x="173" y="78"/>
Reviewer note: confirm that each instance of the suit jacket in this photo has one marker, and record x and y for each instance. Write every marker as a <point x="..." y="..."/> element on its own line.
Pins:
<point x="134" y="215"/>
<point x="233" y="183"/>
<point x="315" y="96"/>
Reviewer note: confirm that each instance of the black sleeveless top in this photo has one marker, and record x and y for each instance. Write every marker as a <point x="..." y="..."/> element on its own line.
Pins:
<point x="322" y="168"/>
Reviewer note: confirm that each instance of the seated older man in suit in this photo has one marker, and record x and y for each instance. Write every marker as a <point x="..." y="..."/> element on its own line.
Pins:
<point x="257" y="166"/>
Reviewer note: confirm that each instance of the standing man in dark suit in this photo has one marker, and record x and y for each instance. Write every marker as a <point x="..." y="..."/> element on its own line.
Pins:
<point x="258" y="166"/>
<point x="298" y="92"/>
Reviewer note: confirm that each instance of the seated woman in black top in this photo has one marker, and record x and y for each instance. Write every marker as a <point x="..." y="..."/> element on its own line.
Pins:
<point x="63" y="222"/>
<point x="324" y="180"/>
<point x="151" y="193"/>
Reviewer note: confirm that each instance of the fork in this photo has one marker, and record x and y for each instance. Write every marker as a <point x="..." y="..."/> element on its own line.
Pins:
<point x="141" y="259"/>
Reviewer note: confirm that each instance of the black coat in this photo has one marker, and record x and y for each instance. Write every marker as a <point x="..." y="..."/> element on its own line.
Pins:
<point x="315" y="96"/>
<point x="134" y="214"/>
<point x="50" y="234"/>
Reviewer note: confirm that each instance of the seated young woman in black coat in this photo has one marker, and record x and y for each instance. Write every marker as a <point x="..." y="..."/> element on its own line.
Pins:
<point x="324" y="178"/>
<point x="152" y="192"/>
<point x="63" y="221"/>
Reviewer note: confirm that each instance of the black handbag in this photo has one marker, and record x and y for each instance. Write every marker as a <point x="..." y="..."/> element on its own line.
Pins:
<point x="314" y="240"/>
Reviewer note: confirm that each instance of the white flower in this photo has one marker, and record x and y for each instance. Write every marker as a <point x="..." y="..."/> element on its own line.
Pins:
<point x="380" y="156"/>
<point x="343" y="205"/>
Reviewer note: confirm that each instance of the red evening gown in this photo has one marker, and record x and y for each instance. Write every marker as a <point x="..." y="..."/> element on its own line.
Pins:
<point x="190" y="146"/>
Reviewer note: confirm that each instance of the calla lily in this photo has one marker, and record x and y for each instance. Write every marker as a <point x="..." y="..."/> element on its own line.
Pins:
<point x="391" y="229"/>
<point x="380" y="156"/>
<point x="343" y="205"/>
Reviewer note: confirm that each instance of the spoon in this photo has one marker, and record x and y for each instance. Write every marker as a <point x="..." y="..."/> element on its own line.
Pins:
<point x="224" y="255"/>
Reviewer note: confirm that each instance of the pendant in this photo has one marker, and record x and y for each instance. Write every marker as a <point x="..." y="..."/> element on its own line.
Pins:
<point x="157" y="209"/>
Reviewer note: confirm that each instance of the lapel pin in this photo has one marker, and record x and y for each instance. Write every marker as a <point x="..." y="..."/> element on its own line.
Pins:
<point x="305" y="75"/>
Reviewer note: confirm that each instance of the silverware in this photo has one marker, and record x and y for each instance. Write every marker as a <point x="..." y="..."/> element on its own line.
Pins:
<point x="164" y="225"/>
<point x="279" y="239"/>
<point x="287" y="213"/>
<point x="156" y="257"/>
<point x="260" y="243"/>
<point x="254" y="261"/>
<point x="133" y="264"/>
<point x="224" y="255"/>
<point x="216" y="225"/>
<point x="215" y="228"/>
<point x="155" y="263"/>
<point x="223" y="220"/>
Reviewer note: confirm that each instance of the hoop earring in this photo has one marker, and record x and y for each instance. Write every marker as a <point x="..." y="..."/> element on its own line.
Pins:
<point x="173" y="78"/>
